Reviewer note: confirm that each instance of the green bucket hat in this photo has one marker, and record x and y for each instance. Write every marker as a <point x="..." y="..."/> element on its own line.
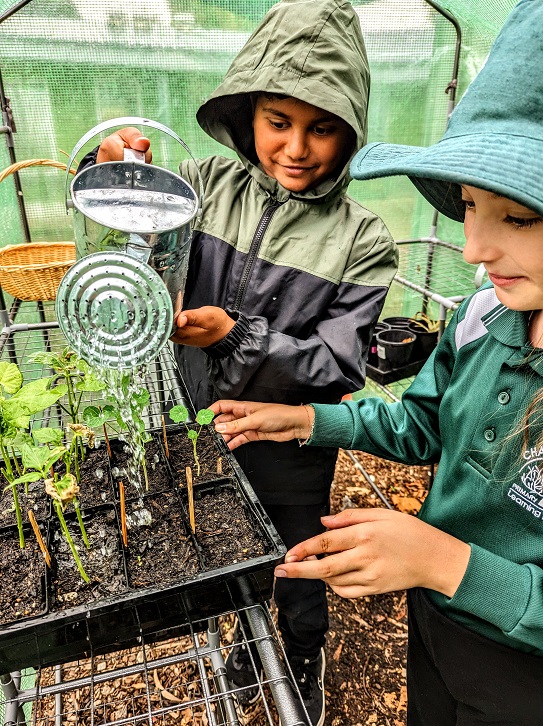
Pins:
<point x="494" y="139"/>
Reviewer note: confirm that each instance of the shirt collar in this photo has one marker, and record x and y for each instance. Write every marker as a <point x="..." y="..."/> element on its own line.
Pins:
<point x="510" y="327"/>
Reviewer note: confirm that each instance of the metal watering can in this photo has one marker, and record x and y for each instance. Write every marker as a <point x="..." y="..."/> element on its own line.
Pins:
<point x="117" y="304"/>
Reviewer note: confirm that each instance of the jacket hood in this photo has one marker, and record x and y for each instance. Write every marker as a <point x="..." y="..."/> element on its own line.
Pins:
<point x="311" y="50"/>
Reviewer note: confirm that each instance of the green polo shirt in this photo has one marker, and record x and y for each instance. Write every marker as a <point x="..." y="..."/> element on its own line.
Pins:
<point x="459" y="412"/>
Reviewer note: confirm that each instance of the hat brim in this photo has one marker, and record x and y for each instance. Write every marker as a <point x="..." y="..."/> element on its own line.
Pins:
<point x="504" y="164"/>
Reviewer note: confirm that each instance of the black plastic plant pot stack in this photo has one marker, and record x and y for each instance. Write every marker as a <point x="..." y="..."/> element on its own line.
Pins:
<point x="385" y="370"/>
<point x="109" y="622"/>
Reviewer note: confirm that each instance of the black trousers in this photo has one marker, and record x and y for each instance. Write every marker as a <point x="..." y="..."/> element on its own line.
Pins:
<point x="456" y="677"/>
<point x="302" y="608"/>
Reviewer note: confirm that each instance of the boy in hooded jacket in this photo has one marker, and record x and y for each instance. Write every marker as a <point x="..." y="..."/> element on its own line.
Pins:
<point x="287" y="274"/>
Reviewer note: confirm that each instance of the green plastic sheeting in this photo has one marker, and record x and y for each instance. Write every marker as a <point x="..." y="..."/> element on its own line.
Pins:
<point x="67" y="65"/>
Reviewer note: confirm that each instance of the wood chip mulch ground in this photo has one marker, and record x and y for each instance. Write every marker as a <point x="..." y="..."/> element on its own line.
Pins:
<point x="366" y="647"/>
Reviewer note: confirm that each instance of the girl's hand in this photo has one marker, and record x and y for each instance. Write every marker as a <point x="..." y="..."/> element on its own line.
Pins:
<point x="202" y="327"/>
<point x="371" y="551"/>
<point x="243" y="421"/>
<point x="113" y="146"/>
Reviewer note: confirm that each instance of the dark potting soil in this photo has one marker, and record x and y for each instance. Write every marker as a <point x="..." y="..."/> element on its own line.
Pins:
<point x="21" y="594"/>
<point x="102" y="562"/>
<point x="158" y="475"/>
<point x="96" y="485"/>
<point x="181" y="454"/>
<point x="159" y="546"/>
<point x="36" y="499"/>
<point x="225" y="531"/>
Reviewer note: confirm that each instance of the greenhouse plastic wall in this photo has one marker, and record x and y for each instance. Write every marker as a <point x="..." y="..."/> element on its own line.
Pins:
<point x="67" y="65"/>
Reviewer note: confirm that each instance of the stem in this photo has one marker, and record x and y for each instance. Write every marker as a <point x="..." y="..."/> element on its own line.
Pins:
<point x="8" y="473"/>
<point x="71" y="398"/>
<point x="81" y="524"/>
<point x="19" y="517"/>
<point x="70" y="541"/>
<point x="196" y="459"/>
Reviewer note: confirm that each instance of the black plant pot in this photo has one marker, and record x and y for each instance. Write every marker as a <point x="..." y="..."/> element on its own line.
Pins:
<point x="426" y="341"/>
<point x="372" y="355"/>
<point x="398" y="322"/>
<point x="395" y="348"/>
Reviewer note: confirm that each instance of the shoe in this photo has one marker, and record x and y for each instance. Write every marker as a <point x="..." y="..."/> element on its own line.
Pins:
<point x="309" y="677"/>
<point x="240" y="672"/>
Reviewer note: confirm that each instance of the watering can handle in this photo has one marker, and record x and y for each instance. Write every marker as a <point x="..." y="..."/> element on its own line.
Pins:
<point x="128" y="121"/>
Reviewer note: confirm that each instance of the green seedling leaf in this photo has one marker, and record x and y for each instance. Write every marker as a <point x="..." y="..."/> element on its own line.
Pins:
<point x="93" y="417"/>
<point x="13" y="416"/>
<point x="21" y="437"/>
<point x="205" y="416"/>
<point x="48" y="436"/>
<point x="90" y="383"/>
<point x="142" y="398"/>
<point x="61" y="389"/>
<point x="192" y="435"/>
<point x="179" y="413"/>
<point x="40" y="458"/>
<point x="11" y="378"/>
<point x="26" y="478"/>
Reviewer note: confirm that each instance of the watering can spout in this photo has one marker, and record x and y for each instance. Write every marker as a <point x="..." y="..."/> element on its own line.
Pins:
<point x="117" y="304"/>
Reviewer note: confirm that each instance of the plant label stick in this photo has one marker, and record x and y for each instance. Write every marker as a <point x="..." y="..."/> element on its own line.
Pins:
<point x="190" y="493"/>
<point x="107" y="440"/>
<point x="165" y="438"/>
<point x="123" y="514"/>
<point x="43" y="548"/>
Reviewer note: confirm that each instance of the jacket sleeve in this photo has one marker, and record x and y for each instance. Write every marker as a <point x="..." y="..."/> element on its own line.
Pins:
<point x="266" y="364"/>
<point x="491" y="579"/>
<point x="407" y="431"/>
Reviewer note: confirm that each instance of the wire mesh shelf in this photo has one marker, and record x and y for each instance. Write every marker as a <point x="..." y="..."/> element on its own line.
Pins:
<point x="177" y="681"/>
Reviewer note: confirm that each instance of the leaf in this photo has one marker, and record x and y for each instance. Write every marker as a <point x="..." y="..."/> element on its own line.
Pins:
<point x="90" y="383"/>
<point x="48" y="436"/>
<point x="11" y="378"/>
<point x="142" y="398"/>
<point x="409" y="505"/>
<point x="61" y="389"/>
<point x="34" y="457"/>
<point x="25" y="478"/>
<point x="192" y="434"/>
<point x="179" y="413"/>
<point x="93" y="417"/>
<point x="205" y="416"/>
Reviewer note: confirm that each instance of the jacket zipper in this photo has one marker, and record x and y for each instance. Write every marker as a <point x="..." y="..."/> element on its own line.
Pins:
<point x="253" y="252"/>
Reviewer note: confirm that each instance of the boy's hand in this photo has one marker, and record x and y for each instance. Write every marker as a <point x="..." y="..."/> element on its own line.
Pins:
<point x="113" y="146"/>
<point x="202" y="327"/>
<point x="376" y="551"/>
<point x="242" y="421"/>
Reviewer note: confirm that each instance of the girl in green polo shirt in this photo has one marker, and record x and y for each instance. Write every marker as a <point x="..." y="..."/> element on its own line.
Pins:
<point x="472" y="561"/>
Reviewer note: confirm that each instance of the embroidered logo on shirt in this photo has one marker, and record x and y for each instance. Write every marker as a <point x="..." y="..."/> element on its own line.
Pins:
<point x="529" y="493"/>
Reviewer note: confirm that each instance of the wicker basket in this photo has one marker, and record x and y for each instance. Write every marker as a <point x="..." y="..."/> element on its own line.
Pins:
<point x="33" y="271"/>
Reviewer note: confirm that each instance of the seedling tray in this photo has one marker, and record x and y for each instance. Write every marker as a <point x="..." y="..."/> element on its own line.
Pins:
<point x="155" y="612"/>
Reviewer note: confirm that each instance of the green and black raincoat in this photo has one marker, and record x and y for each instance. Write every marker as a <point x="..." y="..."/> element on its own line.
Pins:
<point x="305" y="275"/>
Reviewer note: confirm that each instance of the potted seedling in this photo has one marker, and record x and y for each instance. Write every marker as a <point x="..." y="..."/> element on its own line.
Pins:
<point x="18" y="403"/>
<point x="38" y="463"/>
<point x="74" y="377"/>
<point x="128" y="417"/>
<point x="204" y="417"/>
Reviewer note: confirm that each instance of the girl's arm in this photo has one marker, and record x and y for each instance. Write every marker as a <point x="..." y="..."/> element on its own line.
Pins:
<point x="371" y="551"/>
